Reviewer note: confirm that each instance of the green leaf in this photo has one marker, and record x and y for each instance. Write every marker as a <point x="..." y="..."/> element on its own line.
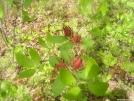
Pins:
<point x="67" y="55"/>
<point x="27" y="73"/>
<point x="26" y="18"/>
<point x="27" y="3"/>
<point x="103" y="8"/>
<point x="57" y="87"/>
<point x="98" y="88"/>
<point x="48" y="37"/>
<point x="81" y="74"/>
<point x="73" y="93"/>
<point x="66" y="46"/>
<point x="42" y="43"/>
<point x="53" y="60"/>
<point x="66" y="77"/>
<point x="24" y="60"/>
<point x="88" y="42"/>
<point x="34" y="56"/>
<point x="57" y="39"/>
<point x="85" y="7"/>
<point x="1" y="12"/>
<point x="92" y="69"/>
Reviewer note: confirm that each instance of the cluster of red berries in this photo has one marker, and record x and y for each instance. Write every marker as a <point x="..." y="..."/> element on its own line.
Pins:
<point x="76" y="63"/>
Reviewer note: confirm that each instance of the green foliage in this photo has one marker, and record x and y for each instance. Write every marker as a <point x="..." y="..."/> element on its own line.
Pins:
<point x="88" y="43"/>
<point x="85" y="7"/>
<point x="53" y="60"/>
<point x="57" y="39"/>
<point x="27" y="73"/>
<point x="66" y="77"/>
<point x="42" y="43"/>
<point x="1" y="12"/>
<point x="27" y="3"/>
<point x="66" y="46"/>
<point x="92" y="68"/>
<point x="108" y="24"/>
<point x="26" y="18"/>
<point x="34" y="56"/>
<point x="57" y="87"/>
<point x="73" y="93"/>
<point x="103" y="8"/>
<point x="24" y="60"/>
<point x="98" y="88"/>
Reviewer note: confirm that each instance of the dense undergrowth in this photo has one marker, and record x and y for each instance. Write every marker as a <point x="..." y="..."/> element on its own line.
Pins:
<point x="79" y="50"/>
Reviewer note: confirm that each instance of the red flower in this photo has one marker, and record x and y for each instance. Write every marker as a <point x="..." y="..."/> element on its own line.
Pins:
<point x="76" y="39"/>
<point x="61" y="64"/>
<point x="67" y="31"/>
<point x="77" y="63"/>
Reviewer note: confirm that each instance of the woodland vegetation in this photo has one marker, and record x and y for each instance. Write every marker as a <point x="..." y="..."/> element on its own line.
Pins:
<point x="63" y="50"/>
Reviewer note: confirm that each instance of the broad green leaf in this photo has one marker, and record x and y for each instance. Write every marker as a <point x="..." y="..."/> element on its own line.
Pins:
<point x="34" y="56"/>
<point x="27" y="3"/>
<point x="1" y="12"/>
<point x="27" y="73"/>
<point x="66" y="46"/>
<point x="88" y="42"/>
<point x="92" y="68"/>
<point x="57" y="87"/>
<point x="24" y="60"/>
<point x="81" y="74"/>
<point x="66" y="77"/>
<point x="53" y="60"/>
<point x="85" y="7"/>
<point x="57" y="39"/>
<point x="67" y="55"/>
<point x="103" y="8"/>
<point x="98" y="88"/>
<point x="73" y="93"/>
<point x="42" y="43"/>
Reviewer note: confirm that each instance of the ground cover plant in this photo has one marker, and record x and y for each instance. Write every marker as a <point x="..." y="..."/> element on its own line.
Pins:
<point x="79" y="50"/>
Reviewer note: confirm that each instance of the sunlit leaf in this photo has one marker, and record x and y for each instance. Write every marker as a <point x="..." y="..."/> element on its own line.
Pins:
<point x="53" y="60"/>
<point x="26" y="18"/>
<point x="57" y="87"/>
<point x="67" y="55"/>
<point x="42" y="43"/>
<point x="34" y="56"/>
<point x="27" y="3"/>
<point x="66" y="77"/>
<point x="57" y="39"/>
<point x="24" y="60"/>
<point x="98" y="88"/>
<point x="92" y="68"/>
<point x="88" y="42"/>
<point x="103" y="8"/>
<point x="27" y="73"/>
<point x="73" y="93"/>
<point x="66" y="46"/>
<point x="1" y="12"/>
<point x="85" y="7"/>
